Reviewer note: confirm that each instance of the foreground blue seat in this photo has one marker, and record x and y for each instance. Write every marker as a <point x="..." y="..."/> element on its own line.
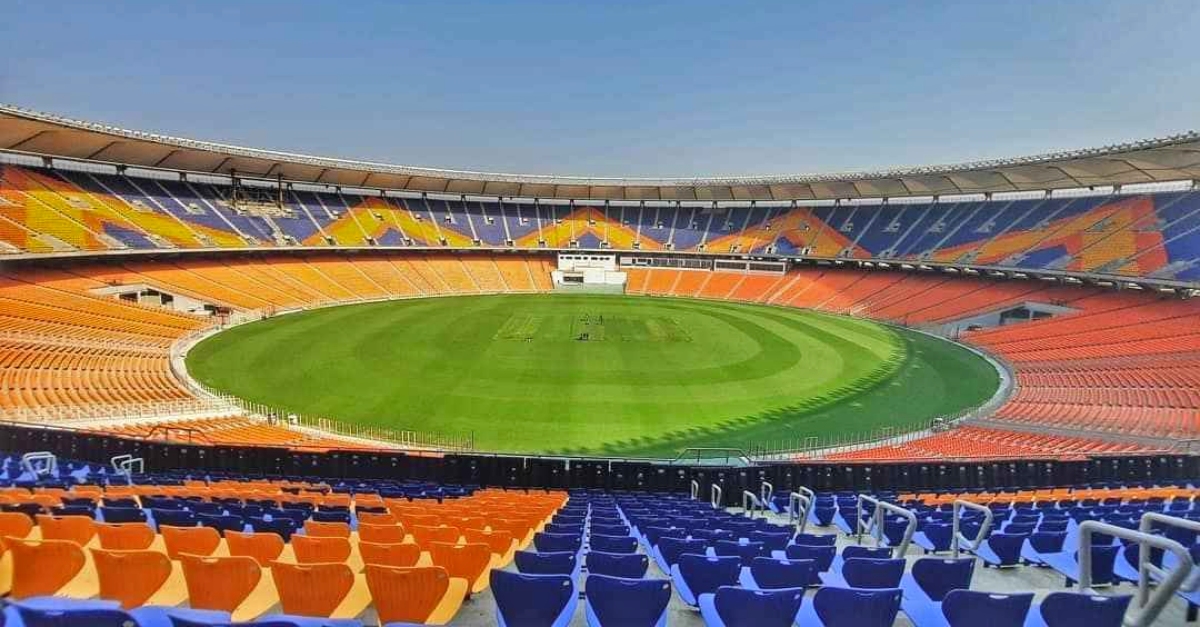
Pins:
<point x="528" y="600"/>
<point x="1002" y="550"/>
<point x="613" y="544"/>
<point x="861" y="572"/>
<point x="561" y="563"/>
<point x="968" y="608"/>
<point x="1040" y="544"/>
<point x="619" y="602"/>
<point x="739" y="607"/>
<point x="867" y="552"/>
<point x="1068" y="609"/>
<point x="667" y="551"/>
<point x="624" y="565"/>
<point x="766" y="573"/>
<point x="851" y="607"/>
<point x="931" y="579"/>
<point x="695" y="575"/>
<point x="934" y="538"/>
<point x="1104" y="558"/>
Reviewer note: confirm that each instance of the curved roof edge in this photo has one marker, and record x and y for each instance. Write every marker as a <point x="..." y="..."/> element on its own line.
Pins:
<point x="1172" y="158"/>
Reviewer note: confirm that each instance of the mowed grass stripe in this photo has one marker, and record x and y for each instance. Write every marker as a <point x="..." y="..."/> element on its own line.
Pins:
<point x="658" y="375"/>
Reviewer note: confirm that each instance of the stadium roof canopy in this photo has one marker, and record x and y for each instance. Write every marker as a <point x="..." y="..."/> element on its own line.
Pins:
<point x="1154" y="160"/>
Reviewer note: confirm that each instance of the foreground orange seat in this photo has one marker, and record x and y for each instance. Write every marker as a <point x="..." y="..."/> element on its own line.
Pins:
<point x="77" y="529"/>
<point x="137" y="578"/>
<point x="50" y="568"/>
<point x="15" y="525"/>
<point x="315" y="529"/>
<point x="425" y="536"/>
<point x="500" y="541"/>
<point x="264" y="548"/>
<point x="385" y="534"/>
<point x="427" y="595"/>
<point x="466" y="561"/>
<point x="191" y="540"/>
<point x="320" y="590"/>
<point x="396" y="554"/>
<point x="229" y="584"/>
<point x="125" y="536"/>
<point x="317" y="550"/>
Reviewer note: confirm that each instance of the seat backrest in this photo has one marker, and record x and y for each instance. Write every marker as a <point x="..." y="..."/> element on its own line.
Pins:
<point x="672" y="548"/>
<point x="124" y="536"/>
<point x="123" y="514"/>
<point x="467" y="561"/>
<point x="57" y="617"/>
<point x="613" y="544"/>
<point x="130" y="577"/>
<point x="311" y="589"/>
<point x="815" y="539"/>
<point x="620" y="602"/>
<point x="316" y="549"/>
<point x="967" y="608"/>
<point x="1047" y="541"/>
<point x="557" y="563"/>
<point x="747" y="550"/>
<point x="15" y="524"/>
<point x="555" y="542"/>
<point x="705" y="574"/>
<point x="1103" y="560"/>
<point x="868" y="552"/>
<point x="626" y="565"/>
<point x="861" y="572"/>
<point x="406" y="595"/>
<point x="937" y="576"/>
<point x="377" y="518"/>
<point x="383" y="534"/>
<point x="317" y="529"/>
<point x="776" y="574"/>
<point x="939" y="534"/>
<point x="219" y="583"/>
<point x="772" y="540"/>
<point x="399" y="555"/>
<point x="425" y="535"/>
<point x="191" y="540"/>
<point x="42" y="567"/>
<point x="608" y="530"/>
<point x="1067" y="609"/>
<point x="1007" y="546"/>
<point x="821" y="556"/>
<point x="739" y="607"/>
<point x="75" y="529"/>
<point x="853" y="607"/>
<point x="263" y="547"/>
<point x="523" y="599"/>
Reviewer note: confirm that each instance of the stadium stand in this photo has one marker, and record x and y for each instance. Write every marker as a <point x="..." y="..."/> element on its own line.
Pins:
<point x="1147" y="235"/>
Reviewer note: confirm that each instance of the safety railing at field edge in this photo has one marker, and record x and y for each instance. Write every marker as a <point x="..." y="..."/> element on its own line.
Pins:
<point x="800" y="503"/>
<point x="1149" y="606"/>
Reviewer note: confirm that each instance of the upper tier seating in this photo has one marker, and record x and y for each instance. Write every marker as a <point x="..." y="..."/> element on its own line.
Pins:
<point x="1149" y="235"/>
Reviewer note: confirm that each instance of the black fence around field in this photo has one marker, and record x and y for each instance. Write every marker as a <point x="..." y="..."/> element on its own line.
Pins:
<point x="545" y="472"/>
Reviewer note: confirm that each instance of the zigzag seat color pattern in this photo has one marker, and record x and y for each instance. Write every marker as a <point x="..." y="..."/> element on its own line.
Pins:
<point x="1122" y="363"/>
<point x="1148" y="235"/>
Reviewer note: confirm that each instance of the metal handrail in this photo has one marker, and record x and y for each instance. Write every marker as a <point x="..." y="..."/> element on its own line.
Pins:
<point x="799" y="505"/>
<point x="750" y="503"/>
<point x="715" y="496"/>
<point x="1149" y="605"/>
<point x="695" y="490"/>
<point x="117" y="460"/>
<point x="28" y="461"/>
<point x="877" y="521"/>
<point x="766" y="490"/>
<point x="988" y="516"/>
<point x="1147" y="526"/>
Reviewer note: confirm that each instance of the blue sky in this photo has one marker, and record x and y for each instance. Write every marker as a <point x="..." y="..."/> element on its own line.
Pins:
<point x="618" y="88"/>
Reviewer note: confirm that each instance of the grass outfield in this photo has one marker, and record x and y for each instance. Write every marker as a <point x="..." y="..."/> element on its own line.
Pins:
<point x="594" y="374"/>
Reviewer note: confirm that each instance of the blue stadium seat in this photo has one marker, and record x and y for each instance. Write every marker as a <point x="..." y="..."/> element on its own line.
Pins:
<point x="613" y="544"/>
<point x="855" y="551"/>
<point x="122" y="514"/>
<point x="931" y="579"/>
<point x="608" y="530"/>
<point x="697" y="574"/>
<point x="861" y="572"/>
<point x="557" y="542"/>
<point x="821" y="557"/>
<point x="1103" y="560"/>
<point x="1040" y="544"/>
<point x="533" y="599"/>
<point x="1002" y="549"/>
<point x="851" y="607"/>
<point x="624" y="565"/>
<point x="766" y="573"/>
<point x="619" y="602"/>
<point x="747" y="551"/>
<point x="739" y="607"/>
<point x="667" y="551"/>
<point x="815" y="539"/>
<point x="559" y="563"/>
<point x="1067" y="609"/>
<point x="934" y="537"/>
